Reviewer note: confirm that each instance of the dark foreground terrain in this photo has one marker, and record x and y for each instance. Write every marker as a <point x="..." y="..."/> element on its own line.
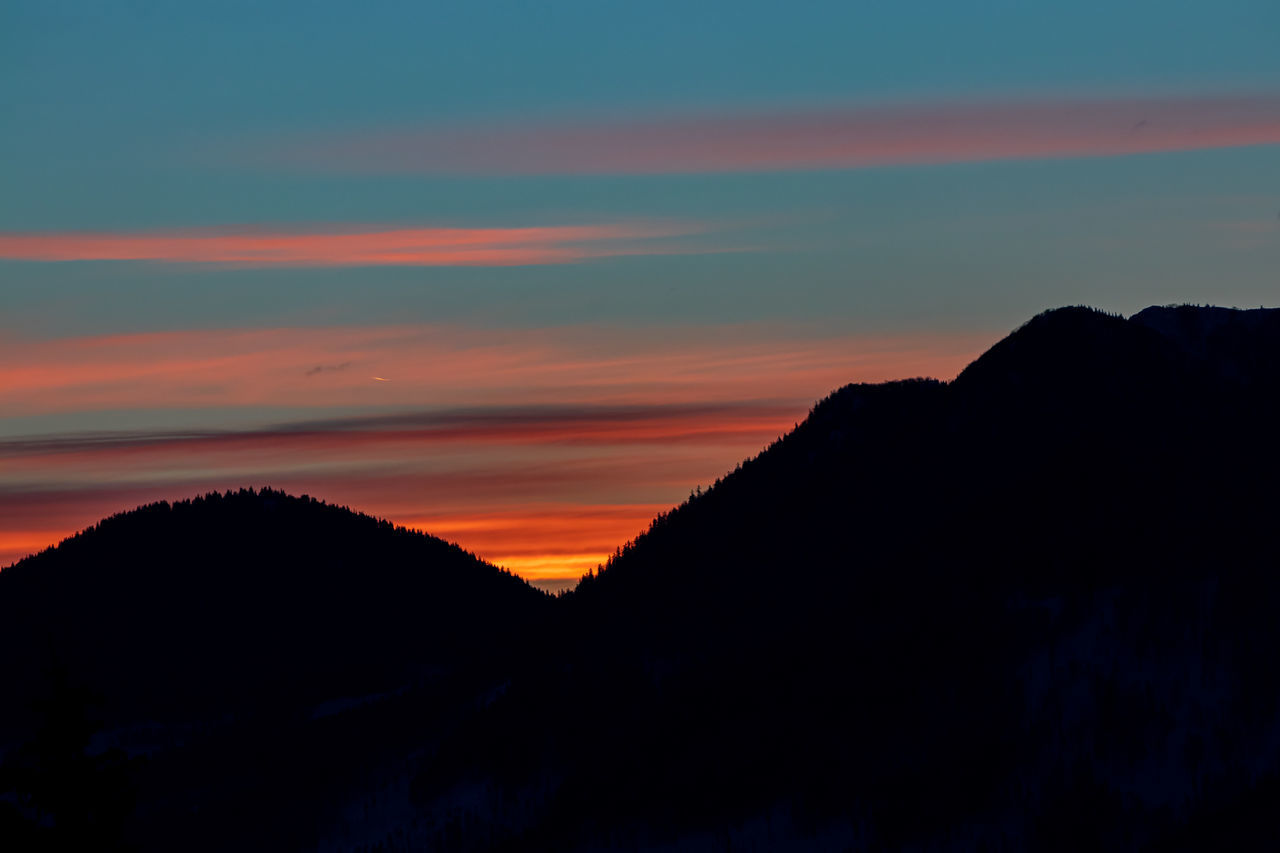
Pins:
<point x="1032" y="608"/>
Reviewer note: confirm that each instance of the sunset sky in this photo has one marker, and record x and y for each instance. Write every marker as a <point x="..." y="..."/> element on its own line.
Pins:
<point x="523" y="275"/>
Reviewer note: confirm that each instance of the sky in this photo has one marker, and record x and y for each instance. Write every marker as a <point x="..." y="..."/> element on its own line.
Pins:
<point x="524" y="275"/>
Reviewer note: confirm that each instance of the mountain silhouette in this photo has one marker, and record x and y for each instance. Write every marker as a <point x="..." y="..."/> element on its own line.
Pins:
<point x="209" y="627"/>
<point x="1031" y="608"/>
<point x="1038" y="590"/>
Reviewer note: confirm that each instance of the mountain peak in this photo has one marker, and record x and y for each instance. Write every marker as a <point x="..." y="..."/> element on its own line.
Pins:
<point x="1237" y="345"/>
<point x="1073" y="347"/>
<point x="1083" y="349"/>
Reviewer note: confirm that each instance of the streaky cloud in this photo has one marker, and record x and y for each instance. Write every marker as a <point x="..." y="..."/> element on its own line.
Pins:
<point x="559" y="424"/>
<point x="354" y="245"/>
<point x="581" y="364"/>
<point x="327" y="368"/>
<point x="788" y="139"/>
<point x="588" y="430"/>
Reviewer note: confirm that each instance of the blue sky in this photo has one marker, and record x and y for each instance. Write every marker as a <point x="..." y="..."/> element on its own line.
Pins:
<point x="991" y="160"/>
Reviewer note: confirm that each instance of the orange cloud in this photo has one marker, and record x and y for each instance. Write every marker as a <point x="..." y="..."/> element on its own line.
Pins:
<point x="351" y="245"/>
<point x="563" y="435"/>
<point x="919" y="133"/>
<point x="535" y="490"/>
<point x="543" y="449"/>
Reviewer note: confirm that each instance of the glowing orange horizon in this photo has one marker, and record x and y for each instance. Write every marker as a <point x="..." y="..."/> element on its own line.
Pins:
<point x="529" y="541"/>
<point x="541" y="453"/>
<point x="16" y="544"/>
<point x="544" y="542"/>
<point x="534" y="492"/>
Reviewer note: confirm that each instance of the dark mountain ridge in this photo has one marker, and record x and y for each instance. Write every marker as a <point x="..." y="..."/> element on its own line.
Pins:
<point x="1085" y="512"/>
<point x="237" y="661"/>
<point x="228" y="596"/>
<point x="1072" y="399"/>
<point x="1029" y="608"/>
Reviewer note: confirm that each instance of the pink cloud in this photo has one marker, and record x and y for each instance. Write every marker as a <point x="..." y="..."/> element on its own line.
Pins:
<point x="349" y="245"/>
<point x="455" y="366"/>
<point x="847" y="138"/>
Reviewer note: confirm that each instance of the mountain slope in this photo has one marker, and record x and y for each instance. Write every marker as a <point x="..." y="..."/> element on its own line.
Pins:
<point x="1026" y="605"/>
<point x="1077" y="420"/>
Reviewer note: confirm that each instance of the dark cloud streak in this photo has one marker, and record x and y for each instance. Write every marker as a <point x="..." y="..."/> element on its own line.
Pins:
<point x="328" y="368"/>
<point x="607" y="424"/>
